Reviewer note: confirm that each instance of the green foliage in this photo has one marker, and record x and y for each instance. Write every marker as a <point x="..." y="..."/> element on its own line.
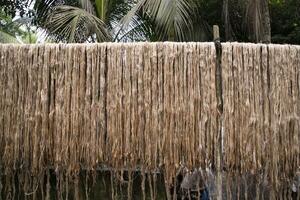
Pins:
<point x="154" y="20"/>
<point x="15" y="31"/>
<point x="172" y="19"/>
<point x="11" y="7"/>
<point x="80" y="20"/>
<point x="285" y="22"/>
<point x="8" y="29"/>
<point x="74" y="24"/>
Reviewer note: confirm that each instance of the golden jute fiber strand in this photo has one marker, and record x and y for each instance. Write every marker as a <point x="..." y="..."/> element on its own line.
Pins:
<point x="147" y="106"/>
<point x="261" y="110"/>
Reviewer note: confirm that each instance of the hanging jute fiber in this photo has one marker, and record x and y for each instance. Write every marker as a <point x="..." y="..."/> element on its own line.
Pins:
<point x="261" y="85"/>
<point x="148" y="107"/>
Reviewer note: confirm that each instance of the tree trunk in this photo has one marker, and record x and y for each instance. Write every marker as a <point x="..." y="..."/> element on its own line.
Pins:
<point x="266" y="24"/>
<point x="226" y="20"/>
<point x="258" y="21"/>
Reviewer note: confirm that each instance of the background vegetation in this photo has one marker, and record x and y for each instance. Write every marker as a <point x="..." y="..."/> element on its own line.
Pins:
<point x="276" y="21"/>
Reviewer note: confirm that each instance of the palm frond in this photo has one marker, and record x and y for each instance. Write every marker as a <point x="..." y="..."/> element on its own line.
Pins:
<point x="111" y="12"/>
<point x="72" y="24"/>
<point x="173" y="18"/>
<point x="133" y="12"/>
<point x="137" y="30"/>
<point x="101" y="8"/>
<point x="44" y="7"/>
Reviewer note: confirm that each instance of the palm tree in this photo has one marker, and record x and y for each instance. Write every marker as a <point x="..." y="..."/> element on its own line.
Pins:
<point x="172" y="20"/>
<point x="70" y="22"/>
<point x="83" y="20"/>
<point x="116" y="20"/>
<point x="151" y="20"/>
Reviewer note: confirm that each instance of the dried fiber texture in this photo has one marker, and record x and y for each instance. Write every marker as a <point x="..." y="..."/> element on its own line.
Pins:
<point x="261" y="110"/>
<point x="73" y="107"/>
<point x="146" y="106"/>
<point x="160" y="106"/>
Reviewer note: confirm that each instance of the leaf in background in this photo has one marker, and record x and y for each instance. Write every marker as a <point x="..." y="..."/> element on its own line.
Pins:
<point x="173" y="18"/>
<point x="73" y="24"/>
<point x="101" y="6"/>
<point x="7" y="38"/>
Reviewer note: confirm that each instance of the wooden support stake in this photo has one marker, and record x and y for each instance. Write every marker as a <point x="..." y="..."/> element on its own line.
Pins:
<point x="219" y="94"/>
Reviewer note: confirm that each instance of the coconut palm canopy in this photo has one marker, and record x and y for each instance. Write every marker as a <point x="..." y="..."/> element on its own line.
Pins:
<point x="116" y="20"/>
<point x="161" y="20"/>
<point x="140" y="20"/>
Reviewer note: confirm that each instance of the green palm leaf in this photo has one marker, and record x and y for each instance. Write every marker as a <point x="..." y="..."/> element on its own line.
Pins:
<point x="75" y="25"/>
<point x="173" y="18"/>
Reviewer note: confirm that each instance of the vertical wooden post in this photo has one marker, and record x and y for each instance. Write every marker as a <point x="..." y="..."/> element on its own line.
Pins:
<point x="219" y="90"/>
<point x="219" y="95"/>
<point x="216" y="32"/>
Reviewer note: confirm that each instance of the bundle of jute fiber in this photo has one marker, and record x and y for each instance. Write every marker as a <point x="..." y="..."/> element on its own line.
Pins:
<point x="123" y="106"/>
<point x="147" y="107"/>
<point x="261" y="117"/>
<point x="161" y="106"/>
